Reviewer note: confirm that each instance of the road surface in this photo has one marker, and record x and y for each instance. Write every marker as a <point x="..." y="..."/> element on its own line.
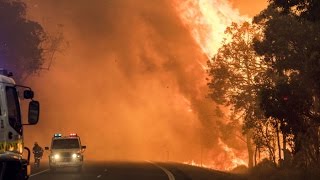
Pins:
<point x="132" y="171"/>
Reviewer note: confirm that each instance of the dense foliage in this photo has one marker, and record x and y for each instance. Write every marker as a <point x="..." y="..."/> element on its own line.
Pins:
<point x="272" y="80"/>
<point x="20" y="40"/>
<point x="291" y="90"/>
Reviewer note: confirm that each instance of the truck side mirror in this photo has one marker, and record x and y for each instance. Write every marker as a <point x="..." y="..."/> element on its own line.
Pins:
<point x="83" y="147"/>
<point x="33" y="114"/>
<point x="46" y="148"/>
<point x="28" y="94"/>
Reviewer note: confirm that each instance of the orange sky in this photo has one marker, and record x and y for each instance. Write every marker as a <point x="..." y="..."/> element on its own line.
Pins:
<point x="249" y="7"/>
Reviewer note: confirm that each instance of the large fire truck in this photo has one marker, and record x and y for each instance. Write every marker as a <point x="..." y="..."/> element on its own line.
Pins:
<point x="14" y="164"/>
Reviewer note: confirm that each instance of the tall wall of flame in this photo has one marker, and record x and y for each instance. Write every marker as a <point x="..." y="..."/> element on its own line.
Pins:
<point x="132" y="82"/>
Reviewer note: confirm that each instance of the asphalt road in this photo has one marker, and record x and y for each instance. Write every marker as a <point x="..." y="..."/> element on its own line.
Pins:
<point x="132" y="171"/>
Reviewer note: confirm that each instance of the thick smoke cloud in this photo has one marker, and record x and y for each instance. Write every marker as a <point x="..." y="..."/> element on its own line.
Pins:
<point x="130" y="83"/>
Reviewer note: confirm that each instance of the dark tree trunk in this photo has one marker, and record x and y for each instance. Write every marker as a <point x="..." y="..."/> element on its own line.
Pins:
<point x="255" y="156"/>
<point x="279" y="146"/>
<point x="250" y="150"/>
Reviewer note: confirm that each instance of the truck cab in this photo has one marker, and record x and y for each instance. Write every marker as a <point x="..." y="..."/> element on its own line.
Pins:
<point x="66" y="151"/>
<point x="12" y="163"/>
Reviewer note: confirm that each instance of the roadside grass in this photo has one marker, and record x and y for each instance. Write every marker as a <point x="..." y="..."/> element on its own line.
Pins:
<point x="268" y="171"/>
<point x="284" y="174"/>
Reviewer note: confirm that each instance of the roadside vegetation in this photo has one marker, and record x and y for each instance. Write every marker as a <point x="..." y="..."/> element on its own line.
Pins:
<point x="26" y="48"/>
<point x="268" y="73"/>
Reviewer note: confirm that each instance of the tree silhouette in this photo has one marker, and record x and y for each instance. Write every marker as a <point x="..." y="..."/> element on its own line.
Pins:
<point x="291" y="90"/>
<point x="234" y="71"/>
<point x="20" y="40"/>
<point x="308" y="9"/>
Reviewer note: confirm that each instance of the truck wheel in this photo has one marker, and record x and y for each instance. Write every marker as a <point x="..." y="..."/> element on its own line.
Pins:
<point x="14" y="171"/>
<point x="21" y="176"/>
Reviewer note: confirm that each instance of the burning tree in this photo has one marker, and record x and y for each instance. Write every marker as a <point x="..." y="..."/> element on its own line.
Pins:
<point x="234" y="73"/>
<point x="270" y="77"/>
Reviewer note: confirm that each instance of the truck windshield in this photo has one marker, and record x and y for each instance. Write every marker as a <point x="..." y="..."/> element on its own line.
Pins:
<point x="13" y="109"/>
<point x="0" y="104"/>
<point x="65" y="144"/>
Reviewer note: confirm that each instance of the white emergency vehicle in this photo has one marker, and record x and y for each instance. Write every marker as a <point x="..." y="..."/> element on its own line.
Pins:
<point x="66" y="151"/>
<point x="13" y="165"/>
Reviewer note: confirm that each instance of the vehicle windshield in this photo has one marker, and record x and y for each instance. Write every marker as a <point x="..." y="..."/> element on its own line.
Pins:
<point x="13" y="108"/>
<point x="65" y="144"/>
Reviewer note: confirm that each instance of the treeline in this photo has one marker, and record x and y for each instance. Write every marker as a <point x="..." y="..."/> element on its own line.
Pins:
<point x="26" y="47"/>
<point x="268" y="73"/>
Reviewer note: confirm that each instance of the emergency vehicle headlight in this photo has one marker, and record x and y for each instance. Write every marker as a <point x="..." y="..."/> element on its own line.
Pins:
<point x="56" y="156"/>
<point x="74" y="155"/>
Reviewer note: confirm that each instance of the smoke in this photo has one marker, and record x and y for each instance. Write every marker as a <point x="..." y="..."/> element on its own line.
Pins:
<point x="131" y="82"/>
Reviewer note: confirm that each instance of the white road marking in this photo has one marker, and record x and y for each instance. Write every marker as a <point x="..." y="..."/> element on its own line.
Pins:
<point x="35" y="174"/>
<point x="99" y="176"/>
<point x="169" y="174"/>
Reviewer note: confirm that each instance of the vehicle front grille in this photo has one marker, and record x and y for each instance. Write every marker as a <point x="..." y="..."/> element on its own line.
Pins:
<point x="66" y="155"/>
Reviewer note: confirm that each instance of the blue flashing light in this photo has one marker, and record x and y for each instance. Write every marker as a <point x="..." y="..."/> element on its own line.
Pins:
<point x="5" y="72"/>
<point x="57" y="135"/>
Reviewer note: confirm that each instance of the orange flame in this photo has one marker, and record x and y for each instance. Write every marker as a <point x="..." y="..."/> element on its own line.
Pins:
<point x="207" y="21"/>
<point x="226" y="161"/>
<point x="235" y="161"/>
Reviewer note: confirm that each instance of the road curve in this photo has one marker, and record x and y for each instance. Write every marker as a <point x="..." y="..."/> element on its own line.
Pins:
<point x="132" y="171"/>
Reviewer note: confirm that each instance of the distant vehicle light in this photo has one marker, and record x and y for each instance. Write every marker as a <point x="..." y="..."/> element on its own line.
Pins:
<point x="73" y="135"/>
<point x="57" y="135"/>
